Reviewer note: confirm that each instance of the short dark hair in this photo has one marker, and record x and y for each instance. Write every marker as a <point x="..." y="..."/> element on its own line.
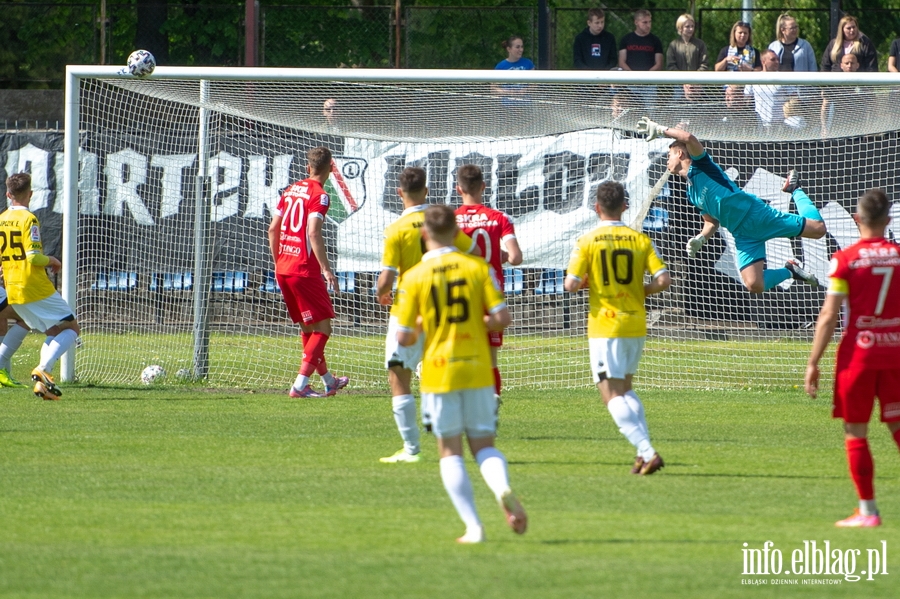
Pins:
<point x="873" y="207"/>
<point x="469" y="178"/>
<point x="412" y="179"/>
<point x="611" y="196"/>
<point x="596" y="12"/>
<point x="319" y="159"/>
<point x="18" y="184"/>
<point x="440" y="220"/>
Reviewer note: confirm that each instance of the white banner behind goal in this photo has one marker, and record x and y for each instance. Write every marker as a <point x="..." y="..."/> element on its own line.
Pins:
<point x="156" y="281"/>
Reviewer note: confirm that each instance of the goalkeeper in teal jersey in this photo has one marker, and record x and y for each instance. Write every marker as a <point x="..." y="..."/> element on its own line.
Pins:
<point x="750" y="220"/>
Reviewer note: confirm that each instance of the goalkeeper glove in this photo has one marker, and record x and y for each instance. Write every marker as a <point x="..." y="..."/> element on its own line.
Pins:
<point x="694" y="244"/>
<point x="651" y="129"/>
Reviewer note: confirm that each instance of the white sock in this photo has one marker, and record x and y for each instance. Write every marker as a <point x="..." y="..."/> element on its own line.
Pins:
<point x="459" y="488"/>
<point x="45" y="349"/>
<point x="630" y="426"/>
<point x="11" y="342"/>
<point x="867" y="507"/>
<point x="634" y="402"/>
<point x="301" y="382"/>
<point x="56" y="348"/>
<point x="328" y="379"/>
<point x="405" y="417"/>
<point x="493" y="469"/>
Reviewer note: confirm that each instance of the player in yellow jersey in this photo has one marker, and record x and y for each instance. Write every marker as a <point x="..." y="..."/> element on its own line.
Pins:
<point x="403" y="249"/>
<point x="611" y="261"/>
<point x="10" y="340"/>
<point x="30" y="291"/>
<point x="455" y="299"/>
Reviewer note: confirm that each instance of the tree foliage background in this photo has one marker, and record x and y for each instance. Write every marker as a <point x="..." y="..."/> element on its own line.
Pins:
<point x="39" y="39"/>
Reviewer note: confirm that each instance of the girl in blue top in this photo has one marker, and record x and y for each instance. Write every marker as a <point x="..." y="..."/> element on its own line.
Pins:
<point x="515" y="47"/>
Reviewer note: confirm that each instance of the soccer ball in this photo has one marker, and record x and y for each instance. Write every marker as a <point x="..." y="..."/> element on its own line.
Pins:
<point x="184" y="374"/>
<point x="141" y="63"/>
<point x="152" y="373"/>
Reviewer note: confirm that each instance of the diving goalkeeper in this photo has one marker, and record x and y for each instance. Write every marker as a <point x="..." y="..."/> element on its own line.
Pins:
<point x="750" y="220"/>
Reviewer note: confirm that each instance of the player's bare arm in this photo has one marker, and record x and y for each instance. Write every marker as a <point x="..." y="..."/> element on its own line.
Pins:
<point x="825" y="326"/>
<point x="710" y="226"/>
<point x="384" y="286"/>
<point x="498" y="320"/>
<point x="275" y="237"/>
<point x="512" y="253"/>
<point x="658" y="284"/>
<point x="314" y="227"/>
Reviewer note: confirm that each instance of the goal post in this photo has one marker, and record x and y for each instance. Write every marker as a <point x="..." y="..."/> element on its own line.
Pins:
<point x="166" y="208"/>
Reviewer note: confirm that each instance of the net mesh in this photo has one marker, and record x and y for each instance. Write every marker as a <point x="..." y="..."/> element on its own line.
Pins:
<point x="543" y="147"/>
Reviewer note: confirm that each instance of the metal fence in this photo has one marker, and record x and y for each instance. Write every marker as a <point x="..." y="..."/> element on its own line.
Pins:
<point x="39" y="39"/>
<point x="441" y="37"/>
<point x="319" y="36"/>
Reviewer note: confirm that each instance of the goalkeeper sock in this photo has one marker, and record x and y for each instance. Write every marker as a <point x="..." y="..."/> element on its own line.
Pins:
<point x="805" y="206"/>
<point x="492" y="463"/>
<point x="774" y="276"/>
<point x="10" y="344"/>
<point x="629" y="426"/>
<point x="405" y="417"/>
<point x="56" y="348"/>
<point x="459" y="488"/>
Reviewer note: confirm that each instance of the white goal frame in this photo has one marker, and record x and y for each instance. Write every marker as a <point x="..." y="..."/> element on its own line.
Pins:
<point x="75" y="74"/>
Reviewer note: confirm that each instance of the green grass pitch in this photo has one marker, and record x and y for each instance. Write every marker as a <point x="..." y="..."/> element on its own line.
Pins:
<point x="184" y="492"/>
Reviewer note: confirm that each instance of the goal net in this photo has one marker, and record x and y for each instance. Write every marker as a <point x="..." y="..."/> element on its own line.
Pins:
<point x="178" y="174"/>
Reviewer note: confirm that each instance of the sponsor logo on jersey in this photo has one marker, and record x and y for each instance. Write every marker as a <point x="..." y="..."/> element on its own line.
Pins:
<point x="865" y="339"/>
<point x="873" y="322"/>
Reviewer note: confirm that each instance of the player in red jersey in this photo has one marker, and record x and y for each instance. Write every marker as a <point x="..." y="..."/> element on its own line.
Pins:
<point x="493" y="232"/>
<point x="295" y="238"/>
<point x="865" y="276"/>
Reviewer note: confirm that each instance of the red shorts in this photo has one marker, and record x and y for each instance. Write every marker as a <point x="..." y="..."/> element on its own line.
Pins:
<point x="306" y="298"/>
<point x="855" y="390"/>
<point x="495" y="338"/>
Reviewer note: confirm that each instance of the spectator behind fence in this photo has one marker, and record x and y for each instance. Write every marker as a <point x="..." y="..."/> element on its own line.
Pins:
<point x="739" y="54"/>
<point x="595" y="48"/>
<point x="769" y="100"/>
<point x="893" y="65"/>
<point x="515" y="48"/>
<point x="640" y="50"/>
<point x="847" y="106"/>
<point x="850" y="40"/>
<point x="686" y="53"/>
<point x="739" y="110"/>
<point x="514" y="94"/>
<point x="330" y="112"/>
<point x="794" y="53"/>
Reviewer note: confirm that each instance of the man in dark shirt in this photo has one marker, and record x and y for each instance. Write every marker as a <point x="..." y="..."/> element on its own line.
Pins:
<point x="595" y="48"/>
<point x="640" y="50"/>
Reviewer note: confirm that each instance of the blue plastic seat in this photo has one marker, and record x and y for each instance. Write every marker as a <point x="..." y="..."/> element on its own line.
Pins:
<point x="551" y="282"/>
<point x="513" y="281"/>
<point x="115" y="281"/>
